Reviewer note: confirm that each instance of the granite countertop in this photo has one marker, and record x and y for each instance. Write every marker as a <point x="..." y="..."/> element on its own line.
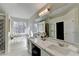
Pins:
<point x="51" y="46"/>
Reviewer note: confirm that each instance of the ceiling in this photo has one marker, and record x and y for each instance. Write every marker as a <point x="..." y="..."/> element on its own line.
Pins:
<point x="31" y="10"/>
<point x="21" y="10"/>
<point x="57" y="9"/>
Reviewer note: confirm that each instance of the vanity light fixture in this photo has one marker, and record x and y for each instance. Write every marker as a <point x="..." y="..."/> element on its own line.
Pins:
<point x="44" y="12"/>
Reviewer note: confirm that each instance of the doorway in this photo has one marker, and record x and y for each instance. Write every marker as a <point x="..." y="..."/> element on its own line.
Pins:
<point x="18" y="39"/>
<point x="60" y="30"/>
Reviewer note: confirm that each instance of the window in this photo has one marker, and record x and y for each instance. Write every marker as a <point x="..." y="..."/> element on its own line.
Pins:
<point x="19" y="27"/>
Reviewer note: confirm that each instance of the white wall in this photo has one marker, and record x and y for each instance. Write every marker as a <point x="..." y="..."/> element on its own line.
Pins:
<point x="77" y="27"/>
<point x="71" y="28"/>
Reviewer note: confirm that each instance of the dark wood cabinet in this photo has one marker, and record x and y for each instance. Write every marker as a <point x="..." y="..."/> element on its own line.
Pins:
<point x="47" y="29"/>
<point x="36" y="51"/>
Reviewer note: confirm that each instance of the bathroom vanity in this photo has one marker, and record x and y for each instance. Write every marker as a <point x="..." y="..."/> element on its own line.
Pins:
<point x="52" y="47"/>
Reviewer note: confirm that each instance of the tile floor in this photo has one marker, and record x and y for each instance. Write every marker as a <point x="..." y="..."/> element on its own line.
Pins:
<point x="18" y="47"/>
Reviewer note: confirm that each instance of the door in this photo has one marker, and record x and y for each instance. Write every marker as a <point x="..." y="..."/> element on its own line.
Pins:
<point x="60" y="30"/>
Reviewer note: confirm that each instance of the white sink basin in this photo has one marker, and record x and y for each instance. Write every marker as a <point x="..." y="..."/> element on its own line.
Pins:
<point x="65" y="45"/>
<point x="60" y="44"/>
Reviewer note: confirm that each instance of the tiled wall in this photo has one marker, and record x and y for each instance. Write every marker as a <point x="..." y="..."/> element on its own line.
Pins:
<point x="2" y="35"/>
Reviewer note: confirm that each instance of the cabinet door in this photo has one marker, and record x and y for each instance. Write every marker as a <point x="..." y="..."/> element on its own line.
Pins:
<point x="43" y="53"/>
